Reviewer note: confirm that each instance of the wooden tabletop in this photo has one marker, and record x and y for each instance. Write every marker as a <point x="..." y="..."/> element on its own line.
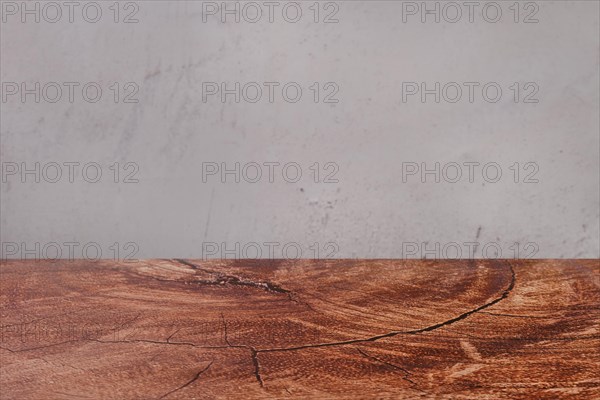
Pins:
<point x="397" y="329"/>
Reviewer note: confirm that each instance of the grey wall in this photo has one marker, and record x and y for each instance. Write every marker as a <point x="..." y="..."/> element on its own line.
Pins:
<point x="363" y="139"/>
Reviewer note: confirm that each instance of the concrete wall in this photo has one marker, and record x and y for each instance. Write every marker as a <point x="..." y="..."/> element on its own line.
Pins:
<point x="365" y="130"/>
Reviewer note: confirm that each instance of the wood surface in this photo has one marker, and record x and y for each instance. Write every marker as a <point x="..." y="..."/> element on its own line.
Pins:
<point x="397" y="329"/>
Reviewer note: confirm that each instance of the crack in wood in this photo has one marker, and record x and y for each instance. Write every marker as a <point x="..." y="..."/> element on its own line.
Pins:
<point x="462" y="316"/>
<point x="430" y="328"/>
<point x="222" y="279"/>
<point x="254" y="355"/>
<point x="194" y="379"/>
<point x="173" y="334"/>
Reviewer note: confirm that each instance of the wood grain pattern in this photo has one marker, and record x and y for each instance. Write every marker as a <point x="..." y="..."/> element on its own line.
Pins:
<point x="190" y="329"/>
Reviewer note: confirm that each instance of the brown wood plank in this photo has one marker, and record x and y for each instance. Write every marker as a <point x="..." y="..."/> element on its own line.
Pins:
<point x="191" y="329"/>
